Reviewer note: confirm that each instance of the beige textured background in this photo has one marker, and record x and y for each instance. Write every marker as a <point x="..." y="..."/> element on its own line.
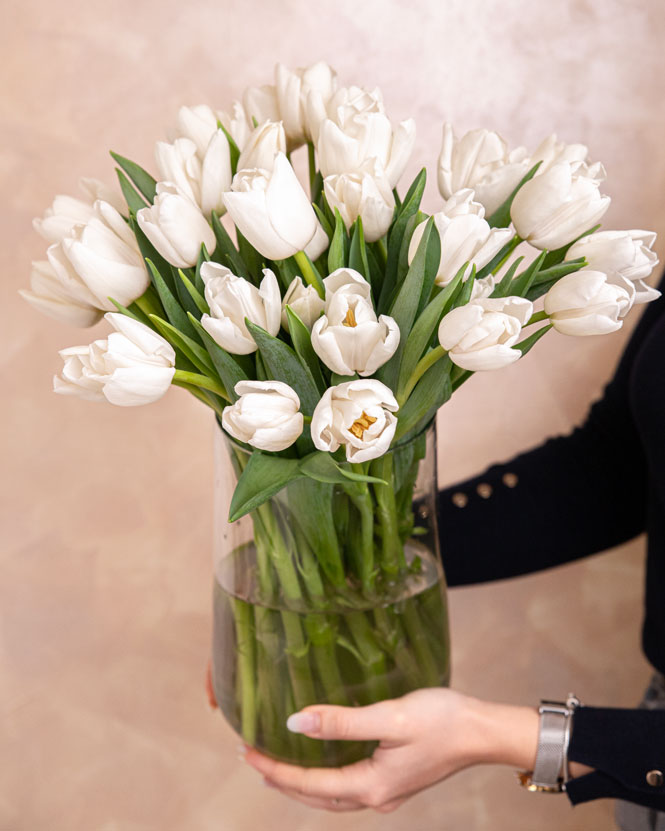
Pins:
<point x="106" y="513"/>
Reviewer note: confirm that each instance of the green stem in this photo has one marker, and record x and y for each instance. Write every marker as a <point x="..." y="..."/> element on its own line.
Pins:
<point x="311" y="157"/>
<point x="380" y="248"/>
<point x="149" y="303"/>
<point x="421" y="368"/>
<point x="515" y="241"/>
<point x="308" y="273"/>
<point x="392" y="551"/>
<point x="373" y="656"/>
<point x="197" y="380"/>
<point x="536" y="318"/>
<point x="246" y="643"/>
<point x="418" y="637"/>
<point x="361" y="498"/>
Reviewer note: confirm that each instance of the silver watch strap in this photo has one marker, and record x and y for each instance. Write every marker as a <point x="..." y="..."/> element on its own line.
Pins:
<point x="551" y="767"/>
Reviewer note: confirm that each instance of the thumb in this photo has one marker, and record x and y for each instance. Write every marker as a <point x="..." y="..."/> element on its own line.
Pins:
<point x="375" y="722"/>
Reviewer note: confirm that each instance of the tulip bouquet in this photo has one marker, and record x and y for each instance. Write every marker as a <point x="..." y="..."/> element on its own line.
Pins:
<point x="325" y="326"/>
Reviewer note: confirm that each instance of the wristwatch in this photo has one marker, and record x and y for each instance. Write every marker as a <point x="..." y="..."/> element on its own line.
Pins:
<point x="550" y="772"/>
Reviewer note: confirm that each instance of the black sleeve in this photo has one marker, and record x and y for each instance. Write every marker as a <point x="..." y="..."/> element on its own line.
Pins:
<point x="624" y="746"/>
<point x="572" y="496"/>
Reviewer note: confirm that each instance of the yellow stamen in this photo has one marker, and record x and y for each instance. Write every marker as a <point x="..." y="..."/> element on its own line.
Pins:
<point x="361" y="424"/>
<point x="350" y="319"/>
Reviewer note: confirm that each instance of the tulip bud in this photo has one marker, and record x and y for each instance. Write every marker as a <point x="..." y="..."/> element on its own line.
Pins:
<point x="67" y="211"/>
<point x="357" y="414"/>
<point x="176" y="227"/>
<point x="271" y="210"/>
<point x="550" y="151"/>
<point x="479" y="335"/>
<point x="465" y="235"/>
<point x="133" y="366"/>
<point x="266" y="415"/>
<point x="624" y="256"/>
<point x="232" y="299"/>
<point x="293" y="88"/>
<point x="61" y="294"/>
<point x="584" y="303"/>
<point x="263" y="145"/>
<point x="346" y="144"/>
<point x="260" y="104"/>
<point x="349" y="338"/>
<point x="199" y="123"/>
<point x="552" y="209"/>
<point x="202" y="177"/>
<point x="480" y="160"/>
<point x="105" y="255"/>
<point x="362" y="195"/>
<point x="305" y="302"/>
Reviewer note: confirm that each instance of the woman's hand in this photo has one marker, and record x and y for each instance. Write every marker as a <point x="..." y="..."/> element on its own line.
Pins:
<point x="424" y="737"/>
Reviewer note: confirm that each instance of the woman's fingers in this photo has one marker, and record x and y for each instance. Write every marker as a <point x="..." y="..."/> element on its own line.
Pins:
<point x="324" y="804"/>
<point x="352" y="783"/>
<point x="381" y="722"/>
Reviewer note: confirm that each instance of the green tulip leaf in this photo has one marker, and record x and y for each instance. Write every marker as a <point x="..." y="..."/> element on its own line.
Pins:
<point x="225" y="252"/>
<point x="322" y="467"/>
<point x="283" y="364"/>
<point x="262" y="478"/>
<point x="338" y="251"/>
<point x="174" y="311"/>
<point x="302" y="343"/>
<point x="406" y="210"/>
<point x="357" y="252"/>
<point x="141" y="178"/>
<point x="228" y="368"/>
<point x="501" y="216"/>
<point x="135" y="202"/>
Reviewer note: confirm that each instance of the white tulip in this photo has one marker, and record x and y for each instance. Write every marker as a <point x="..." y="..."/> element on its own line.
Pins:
<point x="199" y="123"/>
<point x="67" y="211"/>
<point x="355" y="136"/>
<point x="344" y="104"/>
<point x="480" y="160"/>
<point x="232" y="299"/>
<point x="271" y="210"/>
<point x="61" y="294"/>
<point x="266" y="415"/>
<point x="348" y="337"/>
<point x="624" y="256"/>
<point x="550" y="151"/>
<point x="552" y="209"/>
<point x="203" y="177"/>
<point x="465" y="235"/>
<point x="318" y="244"/>
<point x="480" y="335"/>
<point x="260" y="104"/>
<point x="133" y="366"/>
<point x="350" y="280"/>
<point x="176" y="227"/>
<point x="585" y="303"/>
<point x="357" y="414"/>
<point x="363" y="195"/>
<point x="262" y="146"/>
<point x="105" y="255"/>
<point x="305" y="302"/>
<point x="293" y="88"/>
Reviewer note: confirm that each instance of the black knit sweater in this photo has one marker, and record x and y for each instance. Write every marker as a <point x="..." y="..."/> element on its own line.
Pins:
<point x="581" y="494"/>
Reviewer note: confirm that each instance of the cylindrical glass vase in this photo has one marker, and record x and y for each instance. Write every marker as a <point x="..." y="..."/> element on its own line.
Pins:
<point x="327" y="593"/>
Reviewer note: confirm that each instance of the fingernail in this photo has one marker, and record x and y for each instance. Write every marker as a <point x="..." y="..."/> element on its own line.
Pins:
<point x="241" y="750"/>
<point x="304" y="723"/>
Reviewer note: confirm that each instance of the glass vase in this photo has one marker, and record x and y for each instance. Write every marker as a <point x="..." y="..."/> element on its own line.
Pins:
<point x="327" y="593"/>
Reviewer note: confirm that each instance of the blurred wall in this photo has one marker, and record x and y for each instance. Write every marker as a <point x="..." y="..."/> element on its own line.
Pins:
<point x="106" y="512"/>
